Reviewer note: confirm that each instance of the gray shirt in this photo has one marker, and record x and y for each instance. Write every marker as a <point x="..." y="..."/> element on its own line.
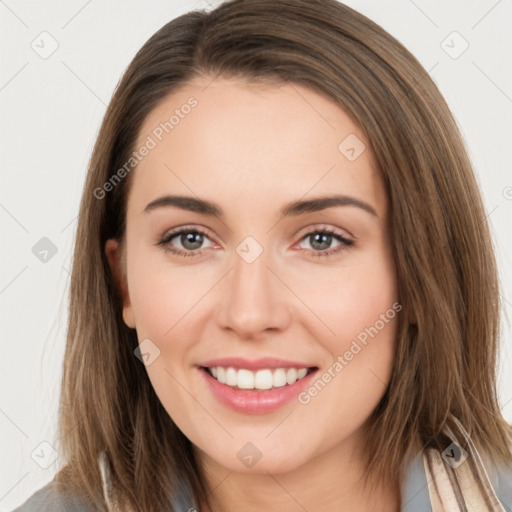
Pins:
<point x="414" y="494"/>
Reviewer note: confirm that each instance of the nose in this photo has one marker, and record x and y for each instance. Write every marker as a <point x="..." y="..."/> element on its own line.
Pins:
<point x="254" y="300"/>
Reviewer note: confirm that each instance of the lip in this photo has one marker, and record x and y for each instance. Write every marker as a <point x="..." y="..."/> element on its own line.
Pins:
<point x="256" y="364"/>
<point x="255" y="401"/>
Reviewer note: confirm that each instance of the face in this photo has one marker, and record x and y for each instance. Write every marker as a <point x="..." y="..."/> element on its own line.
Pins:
<point x="270" y="280"/>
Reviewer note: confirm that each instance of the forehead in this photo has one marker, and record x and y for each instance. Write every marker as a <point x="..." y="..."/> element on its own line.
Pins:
<point x="245" y="142"/>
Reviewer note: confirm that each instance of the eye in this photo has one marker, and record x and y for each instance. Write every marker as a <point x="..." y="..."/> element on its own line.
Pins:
<point x="321" y="240"/>
<point x="188" y="241"/>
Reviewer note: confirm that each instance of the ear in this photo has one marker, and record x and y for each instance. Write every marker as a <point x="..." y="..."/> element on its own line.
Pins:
<point x="113" y="253"/>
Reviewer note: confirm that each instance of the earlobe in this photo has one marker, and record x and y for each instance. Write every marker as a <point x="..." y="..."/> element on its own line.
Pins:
<point x="112" y="251"/>
<point x="128" y="318"/>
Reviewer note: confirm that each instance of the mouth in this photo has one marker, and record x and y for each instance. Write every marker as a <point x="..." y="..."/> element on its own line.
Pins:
<point x="255" y="386"/>
<point x="264" y="379"/>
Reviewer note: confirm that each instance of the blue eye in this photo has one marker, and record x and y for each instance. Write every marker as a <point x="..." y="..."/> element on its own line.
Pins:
<point x="319" y="239"/>
<point x="192" y="240"/>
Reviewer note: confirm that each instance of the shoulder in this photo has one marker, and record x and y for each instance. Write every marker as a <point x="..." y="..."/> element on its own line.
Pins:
<point x="51" y="498"/>
<point x="462" y="476"/>
<point x="427" y="482"/>
<point x="500" y="477"/>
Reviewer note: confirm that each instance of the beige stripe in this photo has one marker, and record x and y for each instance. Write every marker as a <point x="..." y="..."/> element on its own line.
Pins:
<point x="442" y="496"/>
<point x="104" y="466"/>
<point x="482" y="475"/>
<point x="471" y="477"/>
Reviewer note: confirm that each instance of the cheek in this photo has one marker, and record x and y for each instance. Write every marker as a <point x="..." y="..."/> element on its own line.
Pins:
<point x="164" y="302"/>
<point x="351" y="299"/>
<point x="361" y="306"/>
<point x="163" y="298"/>
<point x="364" y="306"/>
<point x="359" y="303"/>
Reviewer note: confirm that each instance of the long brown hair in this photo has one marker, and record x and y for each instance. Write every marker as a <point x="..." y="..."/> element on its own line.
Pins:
<point x="449" y="329"/>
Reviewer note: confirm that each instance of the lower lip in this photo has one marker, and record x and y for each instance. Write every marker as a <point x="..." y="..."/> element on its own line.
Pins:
<point x="255" y="401"/>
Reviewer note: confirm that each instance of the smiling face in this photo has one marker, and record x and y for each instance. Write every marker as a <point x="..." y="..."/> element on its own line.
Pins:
<point x="314" y="287"/>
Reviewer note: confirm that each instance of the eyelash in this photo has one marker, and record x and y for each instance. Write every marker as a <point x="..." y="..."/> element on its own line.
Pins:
<point x="164" y="243"/>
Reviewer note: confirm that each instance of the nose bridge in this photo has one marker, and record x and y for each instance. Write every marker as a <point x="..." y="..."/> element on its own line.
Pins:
<point x="250" y="275"/>
<point x="255" y="300"/>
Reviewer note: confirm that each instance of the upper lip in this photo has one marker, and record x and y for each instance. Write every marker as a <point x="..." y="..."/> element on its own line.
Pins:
<point x="255" y="364"/>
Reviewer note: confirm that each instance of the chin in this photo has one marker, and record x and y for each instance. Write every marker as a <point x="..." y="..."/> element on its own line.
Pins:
<point x="254" y="460"/>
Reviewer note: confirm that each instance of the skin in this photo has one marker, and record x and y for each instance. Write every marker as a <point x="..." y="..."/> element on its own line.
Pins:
<point x="251" y="150"/>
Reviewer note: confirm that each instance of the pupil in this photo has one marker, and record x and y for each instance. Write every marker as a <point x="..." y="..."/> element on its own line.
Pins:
<point x="321" y="241"/>
<point x="192" y="240"/>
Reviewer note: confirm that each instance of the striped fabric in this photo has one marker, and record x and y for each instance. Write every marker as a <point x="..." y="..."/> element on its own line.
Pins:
<point x="457" y="480"/>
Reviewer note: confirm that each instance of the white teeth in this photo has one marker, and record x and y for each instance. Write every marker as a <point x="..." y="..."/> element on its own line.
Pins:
<point x="279" y="378"/>
<point x="261" y="379"/>
<point x="221" y="374"/>
<point x="291" y="375"/>
<point x="231" y="377"/>
<point x="245" y="379"/>
<point x="301" y="373"/>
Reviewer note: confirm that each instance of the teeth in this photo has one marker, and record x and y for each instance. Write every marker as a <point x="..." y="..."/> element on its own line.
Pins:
<point x="244" y="379"/>
<point x="302" y="373"/>
<point x="279" y="378"/>
<point x="291" y="375"/>
<point x="262" y="379"/>
<point x="231" y="379"/>
<point x="221" y="375"/>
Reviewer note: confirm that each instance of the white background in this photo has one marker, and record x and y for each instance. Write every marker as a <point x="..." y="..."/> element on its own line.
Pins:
<point x="51" y="112"/>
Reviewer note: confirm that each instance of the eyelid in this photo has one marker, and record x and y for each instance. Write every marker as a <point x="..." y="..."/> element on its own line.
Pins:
<point x="168" y="235"/>
<point x="343" y="233"/>
<point x="301" y="233"/>
<point x="346" y="241"/>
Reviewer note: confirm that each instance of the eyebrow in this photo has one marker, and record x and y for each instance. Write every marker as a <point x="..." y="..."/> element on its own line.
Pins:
<point x="294" y="208"/>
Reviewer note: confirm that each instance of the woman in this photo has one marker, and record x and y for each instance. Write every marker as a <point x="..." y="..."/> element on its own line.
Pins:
<point x="283" y="293"/>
